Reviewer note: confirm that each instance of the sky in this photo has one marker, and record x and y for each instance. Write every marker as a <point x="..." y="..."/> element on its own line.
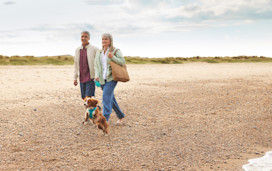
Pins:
<point x="145" y="28"/>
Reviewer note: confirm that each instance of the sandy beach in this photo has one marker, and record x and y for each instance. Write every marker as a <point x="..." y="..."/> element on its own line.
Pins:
<point x="194" y="116"/>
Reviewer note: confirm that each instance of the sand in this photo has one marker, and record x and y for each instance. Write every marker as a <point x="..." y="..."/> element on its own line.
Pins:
<point x="194" y="116"/>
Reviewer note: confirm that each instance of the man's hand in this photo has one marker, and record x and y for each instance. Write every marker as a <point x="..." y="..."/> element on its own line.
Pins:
<point x="75" y="82"/>
<point x="97" y="79"/>
<point x="110" y="55"/>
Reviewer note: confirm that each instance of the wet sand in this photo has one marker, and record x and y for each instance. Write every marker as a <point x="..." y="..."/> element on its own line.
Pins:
<point x="194" y="116"/>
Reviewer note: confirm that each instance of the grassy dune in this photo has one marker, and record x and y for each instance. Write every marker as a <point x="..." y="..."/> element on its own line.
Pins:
<point x="31" y="60"/>
<point x="69" y="60"/>
<point x="179" y="60"/>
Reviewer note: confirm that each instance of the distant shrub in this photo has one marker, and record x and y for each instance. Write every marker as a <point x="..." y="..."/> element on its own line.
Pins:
<point x="69" y="60"/>
<point x="210" y="61"/>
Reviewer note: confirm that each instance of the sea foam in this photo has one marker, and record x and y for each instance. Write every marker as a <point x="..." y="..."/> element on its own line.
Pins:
<point x="260" y="164"/>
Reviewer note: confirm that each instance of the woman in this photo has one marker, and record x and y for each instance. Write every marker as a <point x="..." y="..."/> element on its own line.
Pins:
<point x="103" y="74"/>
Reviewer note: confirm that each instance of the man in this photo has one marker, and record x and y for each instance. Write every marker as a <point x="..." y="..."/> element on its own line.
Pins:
<point x="84" y="66"/>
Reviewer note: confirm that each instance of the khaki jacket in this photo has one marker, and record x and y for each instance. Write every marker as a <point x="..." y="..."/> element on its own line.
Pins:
<point x="91" y="52"/>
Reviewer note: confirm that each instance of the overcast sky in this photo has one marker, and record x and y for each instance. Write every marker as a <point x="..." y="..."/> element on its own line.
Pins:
<point x="146" y="28"/>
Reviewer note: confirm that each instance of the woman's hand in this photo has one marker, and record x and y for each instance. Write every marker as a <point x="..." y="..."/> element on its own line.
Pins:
<point x="110" y="55"/>
<point x="97" y="79"/>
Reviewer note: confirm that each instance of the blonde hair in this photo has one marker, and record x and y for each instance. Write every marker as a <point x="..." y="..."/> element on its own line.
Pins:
<point x="109" y="36"/>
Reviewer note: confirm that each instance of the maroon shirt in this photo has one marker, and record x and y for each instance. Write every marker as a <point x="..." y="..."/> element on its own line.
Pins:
<point x="84" y="66"/>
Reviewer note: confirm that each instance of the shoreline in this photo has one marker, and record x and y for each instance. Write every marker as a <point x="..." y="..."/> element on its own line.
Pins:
<point x="260" y="163"/>
<point x="244" y="158"/>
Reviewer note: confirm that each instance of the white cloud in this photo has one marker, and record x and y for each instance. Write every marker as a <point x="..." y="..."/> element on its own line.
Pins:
<point x="223" y="9"/>
<point x="139" y="16"/>
<point x="51" y="22"/>
<point x="167" y="16"/>
<point x="9" y="3"/>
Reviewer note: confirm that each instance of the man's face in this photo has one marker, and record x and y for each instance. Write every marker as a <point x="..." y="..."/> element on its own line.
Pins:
<point x="85" y="38"/>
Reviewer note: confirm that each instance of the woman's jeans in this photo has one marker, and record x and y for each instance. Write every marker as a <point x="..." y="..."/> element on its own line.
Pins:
<point x="109" y="101"/>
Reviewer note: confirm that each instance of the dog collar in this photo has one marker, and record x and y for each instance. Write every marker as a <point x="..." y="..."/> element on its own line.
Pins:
<point x="91" y="111"/>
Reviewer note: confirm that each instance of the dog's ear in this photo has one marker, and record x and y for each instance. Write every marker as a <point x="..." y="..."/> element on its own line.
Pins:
<point x="95" y="102"/>
<point x="85" y="99"/>
<point x="90" y="102"/>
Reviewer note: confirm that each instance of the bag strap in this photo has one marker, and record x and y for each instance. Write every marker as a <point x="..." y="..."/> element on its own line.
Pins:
<point x="115" y="52"/>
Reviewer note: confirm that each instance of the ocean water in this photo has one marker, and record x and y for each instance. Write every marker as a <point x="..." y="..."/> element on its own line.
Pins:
<point x="260" y="164"/>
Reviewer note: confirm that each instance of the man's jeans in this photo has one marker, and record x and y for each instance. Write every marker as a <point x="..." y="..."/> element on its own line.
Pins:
<point x="109" y="101"/>
<point x="87" y="89"/>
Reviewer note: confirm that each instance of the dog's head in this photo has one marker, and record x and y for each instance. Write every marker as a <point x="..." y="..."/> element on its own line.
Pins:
<point x="90" y="102"/>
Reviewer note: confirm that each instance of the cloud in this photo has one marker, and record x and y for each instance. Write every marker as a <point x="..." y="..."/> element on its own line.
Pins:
<point x="64" y="27"/>
<point x="133" y="17"/>
<point x="43" y="33"/>
<point x="125" y="17"/>
<point x="223" y="10"/>
<point x="172" y="15"/>
<point x="105" y="2"/>
<point x="9" y="3"/>
<point x="7" y="35"/>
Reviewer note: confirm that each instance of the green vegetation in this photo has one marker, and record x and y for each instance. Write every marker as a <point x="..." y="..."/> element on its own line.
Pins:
<point x="180" y="60"/>
<point x="69" y="60"/>
<point x="31" y="60"/>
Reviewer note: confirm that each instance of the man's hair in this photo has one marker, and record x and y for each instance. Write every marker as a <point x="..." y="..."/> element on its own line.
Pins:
<point x="86" y="32"/>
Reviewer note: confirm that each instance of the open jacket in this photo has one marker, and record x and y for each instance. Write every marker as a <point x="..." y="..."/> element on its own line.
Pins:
<point x="91" y="52"/>
<point x="117" y="58"/>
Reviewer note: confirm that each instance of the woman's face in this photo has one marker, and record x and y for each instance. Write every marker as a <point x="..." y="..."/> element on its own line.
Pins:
<point x="105" y="41"/>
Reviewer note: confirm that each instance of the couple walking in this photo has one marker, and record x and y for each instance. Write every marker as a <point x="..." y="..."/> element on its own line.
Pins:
<point x="92" y="64"/>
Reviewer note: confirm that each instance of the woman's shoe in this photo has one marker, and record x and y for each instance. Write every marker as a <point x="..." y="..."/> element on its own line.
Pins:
<point x="120" y="121"/>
